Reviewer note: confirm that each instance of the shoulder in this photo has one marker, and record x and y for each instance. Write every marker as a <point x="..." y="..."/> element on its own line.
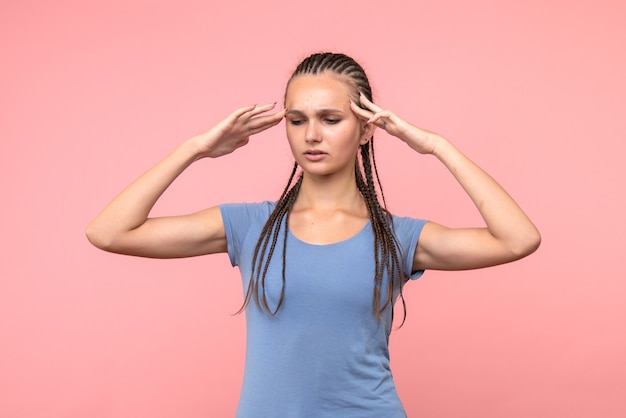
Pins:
<point x="243" y="223"/>
<point x="244" y="216"/>
<point x="405" y="224"/>
<point x="407" y="231"/>
<point x="248" y="210"/>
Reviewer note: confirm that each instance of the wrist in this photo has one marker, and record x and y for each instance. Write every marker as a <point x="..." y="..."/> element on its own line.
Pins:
<point x="439" y="144"/>
<point x="191" y="149"/>
<point x="199" y="146"/>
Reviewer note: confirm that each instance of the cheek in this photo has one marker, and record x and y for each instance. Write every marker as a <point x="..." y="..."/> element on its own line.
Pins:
<point x="350" y="135"/>
<point x="291" y="137"/>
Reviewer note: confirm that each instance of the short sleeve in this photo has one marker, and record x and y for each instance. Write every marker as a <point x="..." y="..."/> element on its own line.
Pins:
<point x="407" y="232"/>
<point x="241" y="220"/>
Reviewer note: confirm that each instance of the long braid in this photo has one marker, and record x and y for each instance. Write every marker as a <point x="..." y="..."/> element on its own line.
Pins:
<point x="270" y="229"/>
<point x="384" y="238"/>
<point x="386" y="249"/>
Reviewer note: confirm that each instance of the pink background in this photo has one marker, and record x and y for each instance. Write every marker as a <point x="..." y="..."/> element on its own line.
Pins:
<point x="93" y="93"/>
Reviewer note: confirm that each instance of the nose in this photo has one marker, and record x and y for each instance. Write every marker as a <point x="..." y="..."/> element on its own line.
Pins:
<point x="312" y="133"/>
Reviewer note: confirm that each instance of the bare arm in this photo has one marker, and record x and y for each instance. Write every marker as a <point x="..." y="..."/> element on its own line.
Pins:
<point x="124" y="226"/>
<point x="509" y="234"/>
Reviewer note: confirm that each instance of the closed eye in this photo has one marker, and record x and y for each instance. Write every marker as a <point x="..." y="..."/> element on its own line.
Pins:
<point x="332" y="121"/>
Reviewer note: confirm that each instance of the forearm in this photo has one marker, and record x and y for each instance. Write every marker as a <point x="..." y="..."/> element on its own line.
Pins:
<point x="504" y="219"/>
<point x="130" y="208"/>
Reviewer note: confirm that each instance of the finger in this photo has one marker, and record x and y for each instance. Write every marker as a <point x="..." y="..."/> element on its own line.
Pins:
<point x="360" y="112"/>
<point x="368" y="103"/>
<point x="378" y="122"/>
<point x="374" y="119"/>
<point x="271" y="118"/>
<point x="241" y="111"/>
<point x="380" y="115"/>
<point x="261" y="128"/>
<point x="258" y="110"/>
<point x="262" y="123"/>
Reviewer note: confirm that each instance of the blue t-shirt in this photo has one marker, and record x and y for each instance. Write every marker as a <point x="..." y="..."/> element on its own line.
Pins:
<point x="324" y="354"/>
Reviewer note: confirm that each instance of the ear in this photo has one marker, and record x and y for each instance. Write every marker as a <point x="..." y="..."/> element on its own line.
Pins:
<point x="367" y="132"/>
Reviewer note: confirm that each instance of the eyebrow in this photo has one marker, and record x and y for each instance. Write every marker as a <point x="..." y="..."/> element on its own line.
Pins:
<point x="318" y="112"/>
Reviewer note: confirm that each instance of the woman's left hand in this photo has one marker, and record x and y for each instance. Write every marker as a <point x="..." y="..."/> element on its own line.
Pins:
<point x="509" y="233"/>
<point x="419" y="139"/>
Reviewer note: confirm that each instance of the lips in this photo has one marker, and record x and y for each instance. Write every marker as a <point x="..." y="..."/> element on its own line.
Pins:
<point x="314" y="155"/>
<point x="314" y="152"/>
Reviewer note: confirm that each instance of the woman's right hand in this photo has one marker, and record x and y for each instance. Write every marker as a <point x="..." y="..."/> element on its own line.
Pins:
<point x="235" y="131"/>
<point x="123" y="226"/>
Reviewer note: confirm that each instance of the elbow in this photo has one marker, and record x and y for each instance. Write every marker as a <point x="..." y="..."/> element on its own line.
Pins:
<point x="532" y="245"/>
<point x="527" y="244"/>
<point x="97" y="238"/>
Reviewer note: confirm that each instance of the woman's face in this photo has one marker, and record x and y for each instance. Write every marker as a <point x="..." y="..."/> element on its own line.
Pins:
<point x="323" y="132"/>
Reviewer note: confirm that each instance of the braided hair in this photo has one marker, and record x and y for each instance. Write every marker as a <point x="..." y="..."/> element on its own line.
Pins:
<point x="386" y="251"/>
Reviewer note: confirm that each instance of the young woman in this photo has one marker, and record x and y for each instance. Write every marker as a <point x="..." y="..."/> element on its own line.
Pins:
<point x="323" y="265"/>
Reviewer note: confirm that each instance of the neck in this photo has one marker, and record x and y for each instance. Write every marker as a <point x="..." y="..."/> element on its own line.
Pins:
<point x="329" y="193"/>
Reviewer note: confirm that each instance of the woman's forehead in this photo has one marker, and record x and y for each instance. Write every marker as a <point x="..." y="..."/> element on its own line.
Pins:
<point x="321" y="89"/>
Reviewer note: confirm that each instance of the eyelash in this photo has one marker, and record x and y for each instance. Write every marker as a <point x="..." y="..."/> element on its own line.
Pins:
<point x="297" y="122"/>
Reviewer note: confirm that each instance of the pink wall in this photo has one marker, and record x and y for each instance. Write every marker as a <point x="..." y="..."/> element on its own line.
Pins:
<point x="92" y="94"/>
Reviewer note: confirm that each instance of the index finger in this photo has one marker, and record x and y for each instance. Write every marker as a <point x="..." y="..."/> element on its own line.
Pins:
<point x="256" y="110"/>
<point x="360" y="112"/>
<point x="369" y="104"/>
<point x="261" y="123"/>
